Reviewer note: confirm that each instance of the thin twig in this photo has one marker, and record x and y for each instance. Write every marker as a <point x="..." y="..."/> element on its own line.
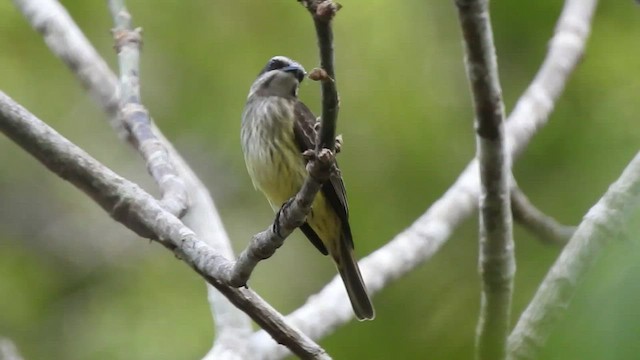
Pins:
<point x="128" y="204"/>
<point x="546" y="228"/>
<point x="323" y="12"/>
<point x="293" y="214"/>
<point x="136" y="117"/>
<point x="600" y="227"/>
<point x="326" y="311"/>
<point x="497" y="259"/>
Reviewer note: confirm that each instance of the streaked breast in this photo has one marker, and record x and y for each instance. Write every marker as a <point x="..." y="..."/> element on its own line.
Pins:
<point x="273" y="159"/>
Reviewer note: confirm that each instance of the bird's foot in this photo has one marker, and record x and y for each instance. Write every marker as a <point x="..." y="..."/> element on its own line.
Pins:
<point x="321" y="166"/>
<point x="339" y="142"/>
<point x="279" y="214"/>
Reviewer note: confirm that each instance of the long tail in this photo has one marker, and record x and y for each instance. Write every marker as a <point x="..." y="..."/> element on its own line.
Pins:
<point x="350" y="274"/>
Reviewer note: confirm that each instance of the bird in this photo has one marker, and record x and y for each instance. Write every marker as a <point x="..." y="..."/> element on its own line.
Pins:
<point x="277" y="128"/>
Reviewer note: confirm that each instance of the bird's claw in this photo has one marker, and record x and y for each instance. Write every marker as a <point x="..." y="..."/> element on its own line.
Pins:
<point x="325" y="156"/>
<point x="321" y="165"/>
<point x="309" y="154"/>
<point x="338" y="145"/>
<point x="276" y="223"/>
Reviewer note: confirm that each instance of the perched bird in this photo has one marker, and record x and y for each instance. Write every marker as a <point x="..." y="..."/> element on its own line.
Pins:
<point x="276" y="129"/>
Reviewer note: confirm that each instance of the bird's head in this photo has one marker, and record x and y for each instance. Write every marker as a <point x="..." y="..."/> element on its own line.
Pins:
<point x="280" y="77"/>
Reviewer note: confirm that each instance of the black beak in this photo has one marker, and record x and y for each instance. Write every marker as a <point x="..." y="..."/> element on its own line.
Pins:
<point x="296" y="70"/>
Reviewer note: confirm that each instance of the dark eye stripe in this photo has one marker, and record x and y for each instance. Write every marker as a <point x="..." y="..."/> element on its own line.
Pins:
<point x="274" y="64"/>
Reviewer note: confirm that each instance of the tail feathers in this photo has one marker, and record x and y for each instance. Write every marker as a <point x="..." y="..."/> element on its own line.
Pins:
<point x="350" y="274"/>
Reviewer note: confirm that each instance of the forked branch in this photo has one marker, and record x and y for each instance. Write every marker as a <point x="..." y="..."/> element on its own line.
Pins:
<point x="128" y="204"/>
<point x="136" y="117"/>
<point x="543" y="226"/>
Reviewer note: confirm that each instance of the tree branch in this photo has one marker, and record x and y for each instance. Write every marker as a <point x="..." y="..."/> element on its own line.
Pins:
<point x="291" y="216"/>
<point x="136" y="117"/>
<point x="66" y="41"/>
<point x="128" y="204"/>
<point x="600" y="226"/>
<point x="327" y="310"/>
<point x="566" y="48"/>
<point x="8" y="350"/>
<point x="497" y="259"/>
<point x="321" y="164"/>
<point x="546" y="228"/>
<point x="323" y="12"/>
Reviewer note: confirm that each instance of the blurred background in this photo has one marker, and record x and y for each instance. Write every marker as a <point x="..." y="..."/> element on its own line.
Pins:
<point x="76" y="285"/>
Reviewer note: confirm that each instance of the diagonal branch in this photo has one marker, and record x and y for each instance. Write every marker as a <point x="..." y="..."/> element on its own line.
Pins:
<point x="293" y="214"/>
<point x="66" y="41"/>
<point x="497" y="259"/>
<point x="128" y="204"/>
<point x="546" y="228"/>
<point x="136" y="117"/>
<point x="327" y="310"/>
<point x="600" y="227"/>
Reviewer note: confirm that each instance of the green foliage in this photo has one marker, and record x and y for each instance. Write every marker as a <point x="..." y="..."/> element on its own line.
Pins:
<point x="68" y="293"/>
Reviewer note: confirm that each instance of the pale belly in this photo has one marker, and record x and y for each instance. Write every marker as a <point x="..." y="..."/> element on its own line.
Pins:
<point x="280" y="174"/>
<point x="276" y="168"/>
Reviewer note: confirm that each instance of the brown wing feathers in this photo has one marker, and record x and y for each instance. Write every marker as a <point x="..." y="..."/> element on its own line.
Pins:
<point x="334" y="190"/>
